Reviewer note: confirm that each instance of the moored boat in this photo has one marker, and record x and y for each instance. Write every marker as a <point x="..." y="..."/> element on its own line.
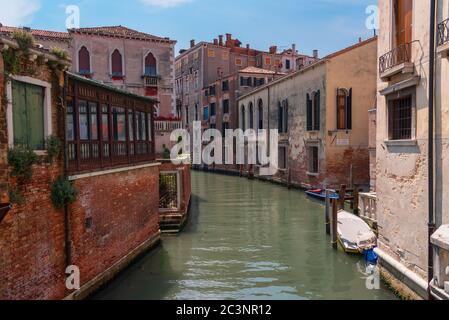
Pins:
<point x="354" y="235"/>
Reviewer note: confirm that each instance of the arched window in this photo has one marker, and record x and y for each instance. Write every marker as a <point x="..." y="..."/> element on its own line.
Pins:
<point x="84" y="61"/>
<point x="243" y="119"/>
<point x="251" y="116"/>
<point x="196" y="112"/>
<point x="150" y="65"/>
<point x="260" y="114"/>
<point x="116" y="64"/>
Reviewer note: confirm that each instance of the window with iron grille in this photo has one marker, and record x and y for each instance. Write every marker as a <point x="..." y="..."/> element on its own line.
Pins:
<point x="225" y="106"/>
<point x="225" y="85"/>
<point x="400" y="115"/>
<point x="212" y="90"/>
<point x="168" y="191"/>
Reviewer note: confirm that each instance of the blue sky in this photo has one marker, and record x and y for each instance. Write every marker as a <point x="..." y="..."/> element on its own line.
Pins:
<point x="326" y="25"/>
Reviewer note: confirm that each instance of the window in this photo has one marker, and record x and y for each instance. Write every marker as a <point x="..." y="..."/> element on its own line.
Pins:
<point x="84" y="61"/>
<point x="283" y="116"/>
<point x="211" y="53"/>
<point x="105" y="122"/>
<point x="225" y="106"/>
<point x="251" y="116"/>
<point x="313" y="160"/>
<point x="116" y="64"/>
<point x="246" y="82"/>
<point x="213" y="111"/>
<point x="118" y="124"/>
<point x="197" y="80"/>
<point x="238" y="62"/>
<point x="243" y="119"/>
<point x="196" y="113"/>
<point x="400" y="119"/>
<point x="225" y="127"/>
<point x="212" y="90"/>
<point x="344" y="109"/>
<point x="287" y="64"/>
<point x="225" y="85"/>
<point x="268" y="61"/>
<point x="282" y="157"/>
<point x="150" y="65"/>
<point x="259" y="82"/>
<point x="277" y="63"/>
<point x="187" y="115"/>
<point x="313" y="111"/>
<point x="28" y="115"/>
<point x="260" y="115"/>
<point x="206" y="113"/>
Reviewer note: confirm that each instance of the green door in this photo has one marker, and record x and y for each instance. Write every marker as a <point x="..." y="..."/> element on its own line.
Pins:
<point x="28" y="115"/>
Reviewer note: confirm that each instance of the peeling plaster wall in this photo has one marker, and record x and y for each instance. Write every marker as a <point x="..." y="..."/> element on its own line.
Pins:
<point x="402" y="170"/>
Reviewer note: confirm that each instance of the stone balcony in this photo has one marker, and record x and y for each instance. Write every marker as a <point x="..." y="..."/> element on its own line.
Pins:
<point x="440" y="282"/>
<point x="443" y="38"/>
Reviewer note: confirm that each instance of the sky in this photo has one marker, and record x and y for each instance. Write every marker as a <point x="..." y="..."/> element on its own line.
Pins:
<point x="326" y="25"/>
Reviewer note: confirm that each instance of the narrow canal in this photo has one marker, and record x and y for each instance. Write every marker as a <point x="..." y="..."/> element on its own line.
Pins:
<point x="246" y="240"/>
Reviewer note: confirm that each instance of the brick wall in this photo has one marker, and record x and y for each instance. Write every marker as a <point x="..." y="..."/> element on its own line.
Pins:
<point x="123" y="212"/>
<point x="3" y="135"/>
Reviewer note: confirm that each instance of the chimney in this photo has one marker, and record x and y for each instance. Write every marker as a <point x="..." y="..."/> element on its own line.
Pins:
<point x="220" y="40"/>
<point x="315" y="54"/>
<point x="27" y="29"/>
<point x="360" y="40"/>
<point x="216" y="42"/>
<point x="294" y="48"/>
<point x="192" y="43"/>
<point x="273" y="49"/>
<point x="247" y="46"/>
<point x="228" y="36"/>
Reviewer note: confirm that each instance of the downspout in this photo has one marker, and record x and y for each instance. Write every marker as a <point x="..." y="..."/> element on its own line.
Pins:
<point x="431" y="165"/>
<point x="67" y="226"/>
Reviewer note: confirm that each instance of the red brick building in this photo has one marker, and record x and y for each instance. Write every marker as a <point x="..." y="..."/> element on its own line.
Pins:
<point x="107" y="154"/>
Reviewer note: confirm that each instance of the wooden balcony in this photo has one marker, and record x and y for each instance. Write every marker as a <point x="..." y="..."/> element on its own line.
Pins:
<point x="443" y="38"/>
<point x="397" y="61"/>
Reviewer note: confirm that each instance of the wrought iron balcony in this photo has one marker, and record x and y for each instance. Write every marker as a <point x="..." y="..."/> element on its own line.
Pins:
<point x="443" y="32"/>
<point x="396" y="61"/>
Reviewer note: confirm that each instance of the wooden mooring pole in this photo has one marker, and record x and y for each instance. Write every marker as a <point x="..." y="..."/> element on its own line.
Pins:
<point x="327" y="213"/>
<point x="342" y="196"/>
<point x="334" y="222"/>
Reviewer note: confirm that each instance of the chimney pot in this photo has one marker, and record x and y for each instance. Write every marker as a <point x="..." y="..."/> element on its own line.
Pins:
<point x="273" y="49"/>
<point x="315" y="54"/>
<point x="294" y="48"/>
<point x="228" y="36"/>
<point x="360" y="39"/>
<point x="192" y="43"/>
<point x="220" y="41"/>
<point x="216" y="42"/>
<point x="247" y="46"/>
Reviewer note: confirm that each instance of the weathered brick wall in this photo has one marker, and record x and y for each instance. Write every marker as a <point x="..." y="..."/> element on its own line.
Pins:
<point x="123" y="212"/>
<point x="32" y="258"/>
<point x="3" y="136"/>
<point x="32" y="255"/>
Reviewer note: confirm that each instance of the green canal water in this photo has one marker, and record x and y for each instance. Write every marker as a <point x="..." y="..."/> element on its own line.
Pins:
<point x="246" y="240"/>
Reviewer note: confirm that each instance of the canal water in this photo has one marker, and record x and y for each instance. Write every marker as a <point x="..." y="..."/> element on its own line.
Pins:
<point x="246" y="240"/>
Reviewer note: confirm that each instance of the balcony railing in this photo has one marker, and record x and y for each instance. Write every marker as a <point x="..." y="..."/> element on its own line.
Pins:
<point x="443" y="32"/>
<point x="368" y="206"/>
<point x="150" y="80"/>
<point x="167" y="125"/>
<point x="395" y="57"/>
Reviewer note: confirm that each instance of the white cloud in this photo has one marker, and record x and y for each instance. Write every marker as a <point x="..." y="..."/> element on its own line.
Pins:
<point x="18" y="12"/>
<point x="165" y="3"/>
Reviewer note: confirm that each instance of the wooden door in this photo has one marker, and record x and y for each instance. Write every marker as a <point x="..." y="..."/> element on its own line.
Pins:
<point x="403" y="21"/>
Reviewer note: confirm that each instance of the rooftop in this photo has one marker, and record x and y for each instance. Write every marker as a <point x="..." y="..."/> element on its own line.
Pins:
<point x="55" y="35"/>
<point x="120" y="32"/>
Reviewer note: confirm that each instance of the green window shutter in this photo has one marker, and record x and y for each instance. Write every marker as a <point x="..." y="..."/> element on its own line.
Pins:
<point x="349" y="111"/>
<point x="19" y="114"/>
<point x="35" y="111"/>
<point x="318" y="111"/>
<point x="28" y="115"/>
<point x="309" y="113"/>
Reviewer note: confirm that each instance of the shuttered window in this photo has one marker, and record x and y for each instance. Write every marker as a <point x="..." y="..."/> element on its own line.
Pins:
<point x="344" y="109"/>
<point x="314" y="111"/>
<point x="117" y="67"/>
<point x="28" y="115"/>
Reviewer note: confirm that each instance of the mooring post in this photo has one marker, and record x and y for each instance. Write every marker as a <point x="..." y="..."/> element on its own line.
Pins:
<point x="342" y="196"/>
<point x="327" y="213"/>
<point x="334" y="221"/>
<point x="356" y="200"/>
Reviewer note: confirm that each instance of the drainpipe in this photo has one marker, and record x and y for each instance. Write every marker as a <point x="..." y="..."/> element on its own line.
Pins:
<point x="431" y="165"/>
<point x="67" y="226"/>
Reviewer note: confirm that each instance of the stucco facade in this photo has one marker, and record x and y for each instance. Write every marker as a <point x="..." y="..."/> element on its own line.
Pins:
<point x="342" y="154"/>
<point x="402" y="164"/>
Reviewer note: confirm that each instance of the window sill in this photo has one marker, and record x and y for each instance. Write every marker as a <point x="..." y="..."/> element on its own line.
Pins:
<point x="401" y="143"/>
<point x="311" y="174"/>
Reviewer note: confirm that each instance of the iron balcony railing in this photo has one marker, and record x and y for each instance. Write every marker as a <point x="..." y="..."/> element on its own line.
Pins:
<point x="395" y="57"/>
<point x="443" y="32"/>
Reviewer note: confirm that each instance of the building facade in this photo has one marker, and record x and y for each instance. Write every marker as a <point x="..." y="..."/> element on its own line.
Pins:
<point x="208" y="62"/>
<point x="321" y="113"/>
<point x="402" y="176"/>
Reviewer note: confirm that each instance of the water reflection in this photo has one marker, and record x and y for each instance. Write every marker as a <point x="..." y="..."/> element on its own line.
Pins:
<point x="246" y="240"/>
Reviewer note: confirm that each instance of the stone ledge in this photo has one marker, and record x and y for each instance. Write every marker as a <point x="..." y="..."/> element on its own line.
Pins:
<point x="112" y="171"/>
